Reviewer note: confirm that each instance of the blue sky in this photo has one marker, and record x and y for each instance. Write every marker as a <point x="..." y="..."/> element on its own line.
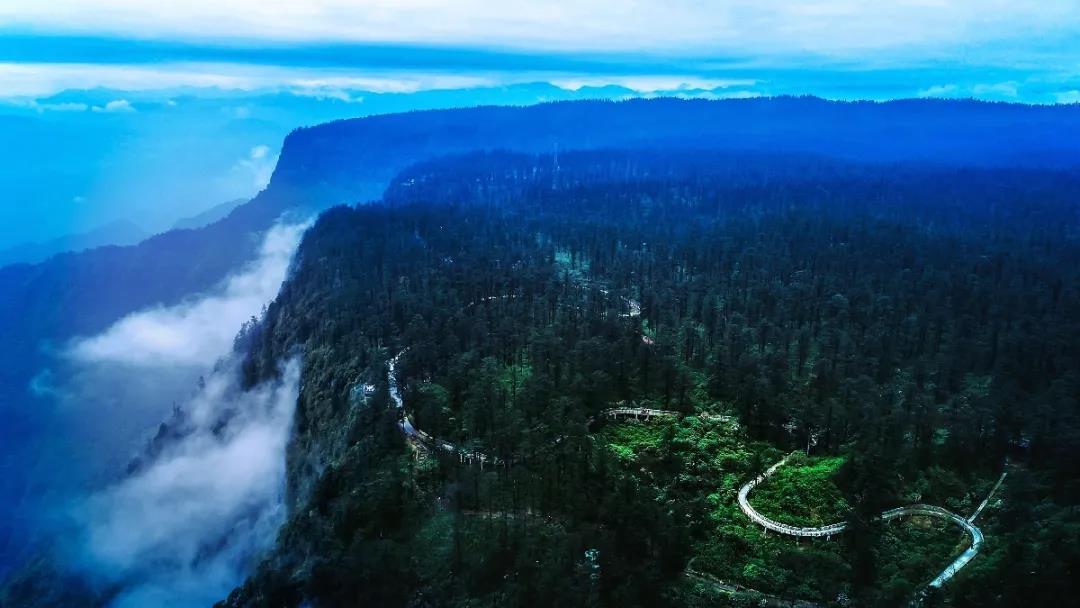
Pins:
<point x="988" y="49"/>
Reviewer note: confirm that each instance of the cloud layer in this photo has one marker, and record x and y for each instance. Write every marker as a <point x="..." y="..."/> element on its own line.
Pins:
<point x="197" y="332"/>
<point x="29" y="79"/>
<point x="1015" y="50"/>
<point x="104" y="397"/>
<point x="205" y="499"/>
<point x="186" y="528"/>
<point x="755" y="26"/>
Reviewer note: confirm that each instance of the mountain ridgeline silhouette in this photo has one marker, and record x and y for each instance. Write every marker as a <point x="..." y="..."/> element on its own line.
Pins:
<point x="350" y="160"/>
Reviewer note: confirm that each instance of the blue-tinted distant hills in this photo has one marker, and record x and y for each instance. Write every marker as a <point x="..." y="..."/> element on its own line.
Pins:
<point x="351" y="159"/>
<point x="113" y="233"/>
<point x="210" y="216"/>
<point x="79" y="159"/>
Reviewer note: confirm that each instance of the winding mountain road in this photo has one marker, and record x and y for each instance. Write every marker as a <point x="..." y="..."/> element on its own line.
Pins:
<point x="917" y="509"/>
<point x="418" y="436"/>
<point x="407" y="427"/>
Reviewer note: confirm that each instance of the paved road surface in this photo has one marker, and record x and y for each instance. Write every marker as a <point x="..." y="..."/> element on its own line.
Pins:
<point x="897" y="513"/>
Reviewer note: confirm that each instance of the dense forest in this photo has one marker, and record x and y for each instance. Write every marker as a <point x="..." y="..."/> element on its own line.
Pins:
<point x="910" y="329"/>
<point x="44" y="306"/>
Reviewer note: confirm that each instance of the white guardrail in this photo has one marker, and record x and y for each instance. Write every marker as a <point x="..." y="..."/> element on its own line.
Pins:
<point x="407" y="427"/>
<point x="899" y="512"/>
<point x="410" y="430"/>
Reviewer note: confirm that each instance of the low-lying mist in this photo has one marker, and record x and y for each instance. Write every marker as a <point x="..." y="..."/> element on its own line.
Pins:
<point x="187" y="525"/>
<point x="170" y="514"/>
<point x="197" y="332"/>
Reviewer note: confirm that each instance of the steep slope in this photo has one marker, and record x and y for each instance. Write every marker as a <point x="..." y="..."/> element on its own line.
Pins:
<point x="818" y="302"/>
<point x="349" y="160"/>
<point x="44" y="306"/>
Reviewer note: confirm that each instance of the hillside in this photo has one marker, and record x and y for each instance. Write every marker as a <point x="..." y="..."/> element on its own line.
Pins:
<point x="351" y="160"/>
<point x="810" y="301"/>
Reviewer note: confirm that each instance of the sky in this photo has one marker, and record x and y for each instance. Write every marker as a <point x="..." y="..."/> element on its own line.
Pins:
<point x="1023" y="50"/>
<point x="106" y="106"/>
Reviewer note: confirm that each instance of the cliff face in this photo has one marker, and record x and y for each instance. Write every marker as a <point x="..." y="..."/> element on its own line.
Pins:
<point x="352" y="160"/>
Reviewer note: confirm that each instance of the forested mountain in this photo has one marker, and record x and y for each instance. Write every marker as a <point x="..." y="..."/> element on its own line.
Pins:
<point x="890" y="288"/>
<point x="914" y="325"/>
<point x="351" y="160"/>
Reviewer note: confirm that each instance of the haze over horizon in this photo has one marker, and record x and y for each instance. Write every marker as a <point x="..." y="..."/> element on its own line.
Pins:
<point x="119" y="85"/>
<point x="838" y="49"/>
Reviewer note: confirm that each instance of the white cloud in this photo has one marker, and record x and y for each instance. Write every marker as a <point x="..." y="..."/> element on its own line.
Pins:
<point x="188" y="524"/>
<point x="40" y="108"/>
<point x="1008" y="89"/>
<point x="648" y="83"/>
<point x="814" y="26"/>
<point x="186" y="527"/>
<point x="191" y="521"/>
<point x="940" y="90"/>
<point x="258" y="166"/>
<point x="741" y="94"/>
<point x="29" y="80"/>
<point x="39" y="79"/>
<point x="259" y="152"/>
<point x="197" y="332"/>
<point x="1072" y="96"/>
<point x="116" y="105"/>
<point x="327" y="92"/>
<point x="62" y="107"/>
<point x="769" y="26"/>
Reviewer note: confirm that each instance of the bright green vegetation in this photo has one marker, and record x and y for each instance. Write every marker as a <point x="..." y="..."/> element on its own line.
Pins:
<point x="803" y="492"/>
<point x="701" y="463"/>
<point x="571" y="266"/>
<point x="726" y="547"/>
<point x="633" y="441"/>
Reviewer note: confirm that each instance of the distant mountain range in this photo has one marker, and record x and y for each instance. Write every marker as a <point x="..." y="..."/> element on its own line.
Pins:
<point x="119" y="234"/>
<point x="73" y="157"/>
<point x="115" y="233"/>
<point x="211" y="215"/>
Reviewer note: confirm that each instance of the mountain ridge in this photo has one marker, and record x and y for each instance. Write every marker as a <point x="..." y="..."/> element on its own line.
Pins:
<point x="329" y="159"/>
